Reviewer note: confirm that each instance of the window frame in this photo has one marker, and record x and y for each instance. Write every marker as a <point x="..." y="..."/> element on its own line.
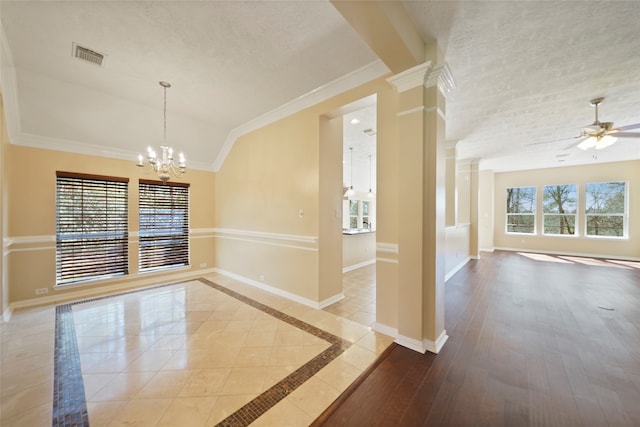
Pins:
<point x="154" y="257"/>
<point x="532" y="214"/>
<point x="81" y="236"/>
<point x="624" y="215"/>
<point x="576" y="223"/>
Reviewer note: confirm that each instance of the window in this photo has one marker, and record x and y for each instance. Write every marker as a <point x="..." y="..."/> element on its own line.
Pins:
<point x="365" y="215"/>
<point x="521" y="210"/>
<point x="559" y="208"/>
<point x="606" y="209"/>
<point x="164" y="224"/>
<point x="91" y="227"/>
<point x="353" y="214"/>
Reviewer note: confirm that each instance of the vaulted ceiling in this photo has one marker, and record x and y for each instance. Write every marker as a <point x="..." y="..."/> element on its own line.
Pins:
<point x="524" y="72"/>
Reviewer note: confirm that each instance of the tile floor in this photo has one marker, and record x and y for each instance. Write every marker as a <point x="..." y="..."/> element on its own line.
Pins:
<point x="359" y="303"/>
<point x="201" y="353"/>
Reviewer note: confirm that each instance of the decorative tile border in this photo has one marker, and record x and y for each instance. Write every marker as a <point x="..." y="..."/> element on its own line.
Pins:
<point x="261" y="404"/>
<point x="69" y="401"/>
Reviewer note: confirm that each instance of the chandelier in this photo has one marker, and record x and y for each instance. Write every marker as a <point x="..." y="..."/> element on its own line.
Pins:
<point x="164" y="164"/>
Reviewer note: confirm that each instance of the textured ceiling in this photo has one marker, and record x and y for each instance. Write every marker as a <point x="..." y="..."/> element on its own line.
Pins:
<point x="525" y="72"/>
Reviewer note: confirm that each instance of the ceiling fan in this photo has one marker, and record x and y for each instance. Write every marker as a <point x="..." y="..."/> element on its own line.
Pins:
<point x="600" y="135"/>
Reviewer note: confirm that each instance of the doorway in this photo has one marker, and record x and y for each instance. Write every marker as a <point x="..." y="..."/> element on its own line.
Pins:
<point x="359" y="148"/>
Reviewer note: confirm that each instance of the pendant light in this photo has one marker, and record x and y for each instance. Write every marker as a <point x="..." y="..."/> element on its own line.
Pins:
<point x="370" y="193"/>
<point x="350" y="192"/>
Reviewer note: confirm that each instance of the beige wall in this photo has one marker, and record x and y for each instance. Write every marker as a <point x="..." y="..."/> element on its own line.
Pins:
<point x="4" y="276"/>
<point x="457" y="248"/>
<point x="32" y="219"/>
<point x="580" y="175"/>
<point x="485" y="210"/>
<point x="358" y="249"/>
<point x="269" y="176"/>
<point x="463" y="192"/>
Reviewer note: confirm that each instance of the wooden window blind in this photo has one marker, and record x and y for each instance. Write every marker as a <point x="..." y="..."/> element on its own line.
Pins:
<point x="91" y="227"/>
<point x="164" y="224"/>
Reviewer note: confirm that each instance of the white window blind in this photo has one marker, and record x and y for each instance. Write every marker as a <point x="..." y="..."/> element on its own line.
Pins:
<point x="164" y="224"/>
<point x="91" y="227"/>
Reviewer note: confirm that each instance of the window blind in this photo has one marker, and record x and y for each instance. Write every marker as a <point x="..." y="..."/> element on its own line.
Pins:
<point x="164" y="224"/>
<point x="91" y="227"/>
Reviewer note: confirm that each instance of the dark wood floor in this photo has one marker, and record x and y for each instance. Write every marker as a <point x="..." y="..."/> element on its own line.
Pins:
<point x="528" y="345"/>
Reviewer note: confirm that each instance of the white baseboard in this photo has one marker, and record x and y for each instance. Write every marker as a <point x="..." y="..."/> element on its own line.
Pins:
<point x="411" y="344"/>
<point x="576" y="254"/>
<point x="359" y="265"/>
<point x="6" y="314"/>
<point x="455" y="269"/>
<point x="88" y="291"/>
<point x="318" y="305"/>
<point x="485" y="249"/>
<point x="437" y="346"/>
<point x="424" y="345"/>
<point x="385" y="330"/>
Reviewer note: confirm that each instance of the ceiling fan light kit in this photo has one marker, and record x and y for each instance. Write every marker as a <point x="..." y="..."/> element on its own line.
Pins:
<point x="599" y="135"/>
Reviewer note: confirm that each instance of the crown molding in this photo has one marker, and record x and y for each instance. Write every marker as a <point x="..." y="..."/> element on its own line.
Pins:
<point x="441" y="76"/>
<point x="9" y="88"/>
<point x="70" y="146"/>
<point x="411" y="78"/>
<point x="342" y="84"/>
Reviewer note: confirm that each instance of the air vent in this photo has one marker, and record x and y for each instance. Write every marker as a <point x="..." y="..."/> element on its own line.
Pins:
<point x="369" y="132"/>
<point x="88" y="55"/>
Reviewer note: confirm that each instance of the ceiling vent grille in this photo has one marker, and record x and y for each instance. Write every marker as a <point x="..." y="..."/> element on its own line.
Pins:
<point x="88" y="55"/>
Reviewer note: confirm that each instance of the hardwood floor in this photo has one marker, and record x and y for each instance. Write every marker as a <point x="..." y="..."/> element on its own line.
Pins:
<point x="534" y="340"/>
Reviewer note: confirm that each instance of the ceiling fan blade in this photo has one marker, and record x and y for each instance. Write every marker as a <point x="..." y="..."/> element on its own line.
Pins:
<point x="629" y="127"/>
<point x="592" y="132"/>
<point x="627" y="135"/>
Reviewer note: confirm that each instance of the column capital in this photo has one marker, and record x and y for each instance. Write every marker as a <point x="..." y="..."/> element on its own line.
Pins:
<point x="411" y="78"/>
<point x="425" y="74"/>
<point x="441" y="75"/>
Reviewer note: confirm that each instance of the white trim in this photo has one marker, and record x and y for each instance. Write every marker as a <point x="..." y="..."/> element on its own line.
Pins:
<point x="384" y="329"/>
<point x="28" y="240"/>
<point x="6" y="314"/>
<point x="387" y="248"/>
<point x="280" y="292"/>
<point x="419" y="109"/>
<point x="455" y="269"/>
<point x="202" y="230"/>
<point x="89" y="290"/>
<point x="441" y="75"/>
<point x="77" y="147"/>
<point x="387" y="260"/>
<point x="411" y="78"/>
<point x="425" y="345"/>
<point x="359" y="265"/>
<point x="340" y="85"/>
<point x="485" y="249"/>
<point x="576" y="254"/>
<point x="268" y="235"/>
<point x="32" y="249"/>
<point x="331" y="300"/>
<point x="262" y="242"/>
<point x="9" y="85"/>
<point x="476" y="257"/>
<point x="411" y="344"/>
<point x="437" y="346"/>
<point x="202" y="233"/>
